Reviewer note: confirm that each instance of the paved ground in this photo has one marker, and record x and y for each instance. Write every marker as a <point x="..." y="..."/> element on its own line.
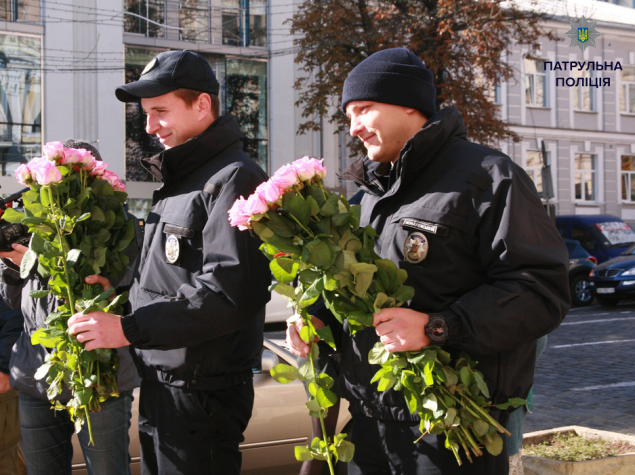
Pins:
<point x="586" y="376"/>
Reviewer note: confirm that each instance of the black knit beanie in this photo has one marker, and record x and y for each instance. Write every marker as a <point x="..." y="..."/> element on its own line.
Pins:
<point x="392" y="76"/>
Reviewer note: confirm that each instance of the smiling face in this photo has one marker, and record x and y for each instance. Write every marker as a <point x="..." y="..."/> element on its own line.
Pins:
<point x="384" y="128"/>
<point x="172" y="121"/>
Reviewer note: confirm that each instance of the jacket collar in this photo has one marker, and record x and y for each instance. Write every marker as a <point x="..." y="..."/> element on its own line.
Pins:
<point x="442" y="127"/>
<point x="179" y="161"/>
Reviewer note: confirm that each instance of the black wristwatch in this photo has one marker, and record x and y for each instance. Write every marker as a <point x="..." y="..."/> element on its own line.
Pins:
<point x="437" y="329"/>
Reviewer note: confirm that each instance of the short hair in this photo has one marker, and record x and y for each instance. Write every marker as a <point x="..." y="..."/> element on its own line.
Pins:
<point x="190" y="96"/>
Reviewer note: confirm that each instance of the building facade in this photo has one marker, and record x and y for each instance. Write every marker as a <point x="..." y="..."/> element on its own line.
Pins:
<point x="588" y="131"/>
<point x="60" y="62"/>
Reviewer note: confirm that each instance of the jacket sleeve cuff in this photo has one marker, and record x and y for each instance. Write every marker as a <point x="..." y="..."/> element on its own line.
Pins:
<point x="131" y="329"/>
<point x="454" y="324"/>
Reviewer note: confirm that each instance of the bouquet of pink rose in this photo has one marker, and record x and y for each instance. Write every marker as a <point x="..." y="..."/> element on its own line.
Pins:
<point x="74" y="210"/>
<point x="313" y="235"/>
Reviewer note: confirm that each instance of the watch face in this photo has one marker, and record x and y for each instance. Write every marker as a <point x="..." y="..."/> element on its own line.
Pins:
<point x="437" y="330"/>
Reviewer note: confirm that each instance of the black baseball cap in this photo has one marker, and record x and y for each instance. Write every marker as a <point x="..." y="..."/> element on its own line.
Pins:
<point x="169" y="71"/>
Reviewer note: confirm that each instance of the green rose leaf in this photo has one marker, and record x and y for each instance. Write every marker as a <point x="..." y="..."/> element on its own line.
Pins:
<point x="319" y="253"/>
<point x="284" y="373"/>
<point x="514" y="402"/>
<point x="73" y="256"/>
<point x="326" y="335"/>
<point x="481" y="427"/>
<point x="345" y="451"/>
<point x="42" y="371"/>
<point x="12" y="216"/>
<point x="302" y="453"/>
<point x="325" y="397"/>
<point x="379" y="354"/>
<point x="28" y="261"/>
<point x="466" y="376"/>
<point x="480" y="382"/>
<point x="42" y="337"/>
<point x="284" y="269"/>
<point x="38" y="294"/>
<point x="299" y="208"/>
<point x="404" y="293"/>
<point x="286" y="291"/>
<point x="330" y="207"/>
<point x="493" y="444"/>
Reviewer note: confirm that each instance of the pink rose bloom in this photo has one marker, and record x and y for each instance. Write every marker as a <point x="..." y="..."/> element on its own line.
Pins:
<point x="43" y="171"/>
<point x="54" y="150"/>
<point x="78" y="156"/>
<point x="237" y="215"/>
<point x="114" y="180"/>
<point x="304" y="168"/>
<point x="285" y="177"/>
<point x="269" y="192"/>
<point x="255" y="205"/>
<point x="98" y="168"/>
<point x="320" y="169"/>
<point x="23" y="175"/>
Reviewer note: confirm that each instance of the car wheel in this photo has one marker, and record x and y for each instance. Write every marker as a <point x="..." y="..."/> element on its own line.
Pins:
<point x="608" y="302"/>
<point x="581" y="291"/>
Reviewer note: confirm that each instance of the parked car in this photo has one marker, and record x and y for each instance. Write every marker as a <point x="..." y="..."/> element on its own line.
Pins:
<point x="280" y="421"/>
<point x="602" y="236"/>
<point x="581" y="264"/>
<point x="614" y="280"/>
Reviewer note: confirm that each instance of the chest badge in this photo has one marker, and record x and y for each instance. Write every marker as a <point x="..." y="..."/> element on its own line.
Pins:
<point x="415" y="248"/>
<point x="172" y="249"/>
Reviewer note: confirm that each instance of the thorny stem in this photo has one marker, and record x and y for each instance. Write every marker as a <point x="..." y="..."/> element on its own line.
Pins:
<point x="305" y="318"/>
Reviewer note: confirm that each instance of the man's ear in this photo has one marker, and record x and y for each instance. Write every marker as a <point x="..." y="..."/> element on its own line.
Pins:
<point x="203" y="106"/>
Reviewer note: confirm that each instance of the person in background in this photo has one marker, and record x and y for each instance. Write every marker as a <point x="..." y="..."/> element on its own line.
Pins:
<point x="11" y="458"/>
<point x="46" y="433"/>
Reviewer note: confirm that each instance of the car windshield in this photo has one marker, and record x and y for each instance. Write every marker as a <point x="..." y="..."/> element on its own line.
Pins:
<point x="617" y="233"/>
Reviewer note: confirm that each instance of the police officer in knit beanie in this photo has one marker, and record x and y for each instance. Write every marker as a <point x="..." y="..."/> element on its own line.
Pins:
<point x="392" y="76"/>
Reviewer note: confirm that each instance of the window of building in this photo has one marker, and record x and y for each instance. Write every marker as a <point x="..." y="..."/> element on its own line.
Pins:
<point x="246" y="99"/>
<point x="20" y="10"/>
<point x="627" y="90"/>
<point x="195" y="17"/>
<point x="584" y="176"/>
<point x="144" y="17"/>
<point x="20" y="101"/>
<point x="584" y="96"/>
<point x="245" y="22"/>
<point x="533" y="167"/>
<point x="628" y="178"/>
<point x="535" y="83"/>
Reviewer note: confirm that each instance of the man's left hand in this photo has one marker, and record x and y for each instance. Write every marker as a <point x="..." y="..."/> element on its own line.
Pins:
<point x="97" y="330"/>
<point x="401" y="329"/>
<point x="4" y="382"/>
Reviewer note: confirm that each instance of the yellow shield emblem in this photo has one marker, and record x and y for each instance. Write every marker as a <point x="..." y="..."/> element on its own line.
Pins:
<point x="583" y="34"/>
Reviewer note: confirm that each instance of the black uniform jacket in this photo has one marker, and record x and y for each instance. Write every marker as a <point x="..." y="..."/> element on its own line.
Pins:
<point x="496" y="266"/>
<point x="199" y="293"/>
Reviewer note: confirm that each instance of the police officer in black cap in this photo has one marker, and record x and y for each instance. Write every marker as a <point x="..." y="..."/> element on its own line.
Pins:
<point x="488" y="265"/>
<point x="195" y="334"/>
